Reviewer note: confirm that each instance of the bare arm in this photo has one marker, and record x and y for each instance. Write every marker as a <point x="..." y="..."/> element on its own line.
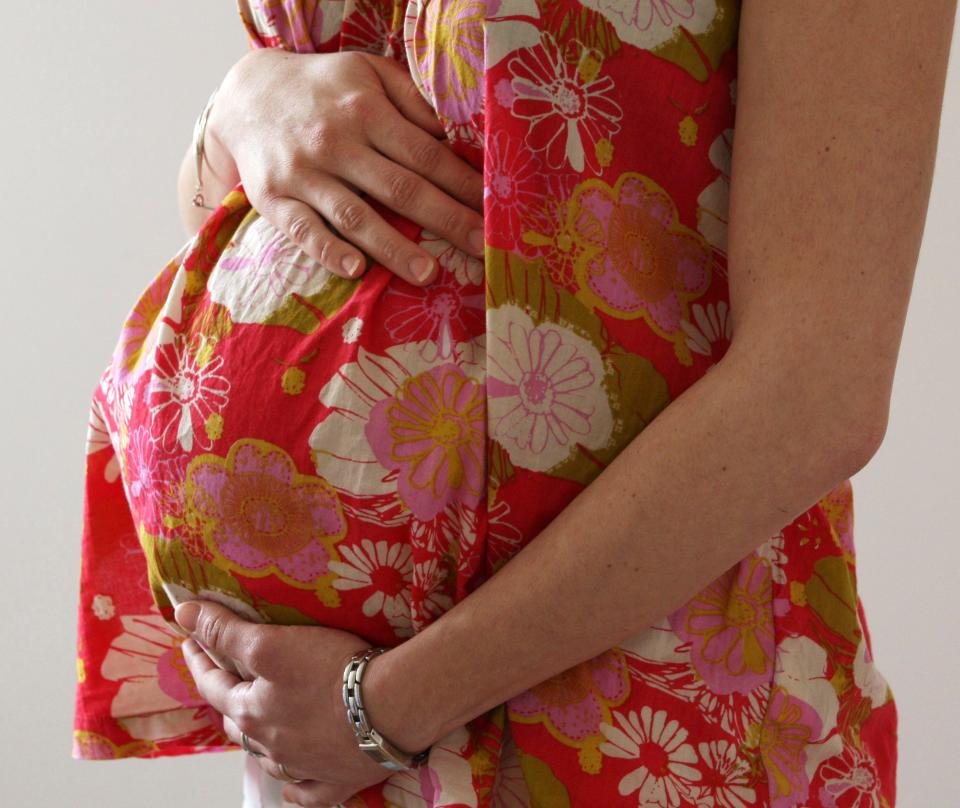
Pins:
<point x="836" y="134"/>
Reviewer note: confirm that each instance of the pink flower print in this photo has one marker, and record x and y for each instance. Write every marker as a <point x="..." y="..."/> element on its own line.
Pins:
<point x="299" y="23"/>
<point x="666" y="772"/>
<point x="261" y="517"/>
<point x="144" y="478"/>
<point x="157" y="698"/>
<point x="568" y="108"/>
<point x="730" y="624"/>
<point x="545" y="388"/>
<point x="789" y="726"/>
<point x="183" y="393"/>
<point x="432" y="432"/>
<point x="442" y="778"/>
<point x="510" y="185"/>
<point x="850" y="780"/>
<point x="365" y="27"/>
<point x="259" y="270"/>
<point x="576" y="701"/>
<point x="503" y="92"/>
<point x="439" y="315"/>
<point x="447" y="51"/>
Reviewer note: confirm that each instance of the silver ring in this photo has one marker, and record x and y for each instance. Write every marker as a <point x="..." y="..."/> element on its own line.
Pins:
<point x="286" y="775"/>
<point x="245" y="743"/>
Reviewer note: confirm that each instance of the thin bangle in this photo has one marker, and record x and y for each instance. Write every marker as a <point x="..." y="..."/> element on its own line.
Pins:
<point x="199" y="131"/>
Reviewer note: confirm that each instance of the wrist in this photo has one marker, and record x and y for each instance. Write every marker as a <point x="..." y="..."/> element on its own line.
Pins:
<point x="218" y="158"/>
<point x="396" y="707"/>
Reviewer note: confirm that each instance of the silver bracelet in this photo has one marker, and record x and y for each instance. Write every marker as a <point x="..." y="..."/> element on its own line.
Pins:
<point x="199" y="131"/>
<point x="368" y="739"/>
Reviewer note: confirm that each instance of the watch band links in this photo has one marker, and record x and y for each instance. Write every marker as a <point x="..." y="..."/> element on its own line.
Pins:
<point x="368" y="739"/>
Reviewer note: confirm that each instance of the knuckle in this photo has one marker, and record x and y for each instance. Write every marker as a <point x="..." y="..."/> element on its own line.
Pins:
<point x="322" y="248"/>
<point x="210" y="630"/>
<point x="393" y="252"/>
<point x="402" y="188"/>
<point x="321" y="137"/>
<point x="354" y="105"/>
<point x="413" y="94"/>
<point x="453" y="223"/>
<point x="267" y="736"/>
<point x="270" y="188"/>
<point x="299" y="229"/>
<point x="424" y="154"/>
<point x="245" y="719"/>
<point x="260" y="648"/>
<point x="468" y="185"/>
<point x="347" y="215"/>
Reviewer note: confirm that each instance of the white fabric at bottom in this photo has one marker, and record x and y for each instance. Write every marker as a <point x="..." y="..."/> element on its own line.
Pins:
<point x="260" y="790"/>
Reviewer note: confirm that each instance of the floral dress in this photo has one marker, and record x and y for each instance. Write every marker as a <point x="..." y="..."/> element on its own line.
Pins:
<point x="363" y="453"/>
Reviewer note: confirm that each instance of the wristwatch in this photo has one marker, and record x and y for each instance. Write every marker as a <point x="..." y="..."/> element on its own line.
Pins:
<point x="368" y="739"/>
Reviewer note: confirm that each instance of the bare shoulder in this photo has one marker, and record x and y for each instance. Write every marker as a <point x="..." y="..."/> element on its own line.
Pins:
<point x="837" y="125"/>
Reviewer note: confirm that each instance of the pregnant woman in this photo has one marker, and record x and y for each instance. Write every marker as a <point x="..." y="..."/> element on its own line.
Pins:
<point x="583" y="484"/>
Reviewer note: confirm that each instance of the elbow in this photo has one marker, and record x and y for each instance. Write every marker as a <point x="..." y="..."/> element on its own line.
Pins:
<point x="861" y="441"/>
<point x="852" y="433"/>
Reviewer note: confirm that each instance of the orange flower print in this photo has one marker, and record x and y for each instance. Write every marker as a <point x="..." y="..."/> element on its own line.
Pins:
<point x="635" y="259"/>
<point x="730" y="624"/>
<point x="575" y="703"/>
<point x="260" y="516"/>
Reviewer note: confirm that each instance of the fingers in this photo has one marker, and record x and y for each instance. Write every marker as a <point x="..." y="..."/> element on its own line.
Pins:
<point x="354" y="219"/>
<point x="427" y="157"/>
<point x="235" y="734"/>
<point x="404" y="94"/>
<point x="226" y="634"/>
<point x="223" y="691"/>
<point x="416" y="198"/>
<point x="305" y="227"/>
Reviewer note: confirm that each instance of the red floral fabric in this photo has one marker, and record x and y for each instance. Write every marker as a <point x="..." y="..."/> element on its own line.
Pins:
<point x="364" y="454"/>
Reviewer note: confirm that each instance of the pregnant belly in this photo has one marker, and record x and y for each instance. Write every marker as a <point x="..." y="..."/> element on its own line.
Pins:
<point x="302" y="447"/>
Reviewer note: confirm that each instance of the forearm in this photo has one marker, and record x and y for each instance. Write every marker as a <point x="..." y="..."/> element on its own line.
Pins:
<point x="723" y="468"/>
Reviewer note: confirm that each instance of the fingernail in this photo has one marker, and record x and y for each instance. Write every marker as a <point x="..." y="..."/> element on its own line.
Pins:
<point x="350" y="264"/>
<point x="476" y="240"/>
<point x="186" y="615"/>
<point x="421" y="267"/>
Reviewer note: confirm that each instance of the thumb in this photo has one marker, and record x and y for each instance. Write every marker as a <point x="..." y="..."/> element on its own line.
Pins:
<point x="215" y="627"/>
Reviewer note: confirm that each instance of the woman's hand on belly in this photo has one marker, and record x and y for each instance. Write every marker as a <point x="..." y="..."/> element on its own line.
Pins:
<point x="292" y="709"/>
<point x="309" y="133"/>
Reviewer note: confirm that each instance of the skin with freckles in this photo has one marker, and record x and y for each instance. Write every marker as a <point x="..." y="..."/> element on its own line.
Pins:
<point x="837" y="128"/>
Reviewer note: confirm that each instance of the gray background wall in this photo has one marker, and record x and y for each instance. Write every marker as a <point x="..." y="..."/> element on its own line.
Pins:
<point x="98" y="101"/>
